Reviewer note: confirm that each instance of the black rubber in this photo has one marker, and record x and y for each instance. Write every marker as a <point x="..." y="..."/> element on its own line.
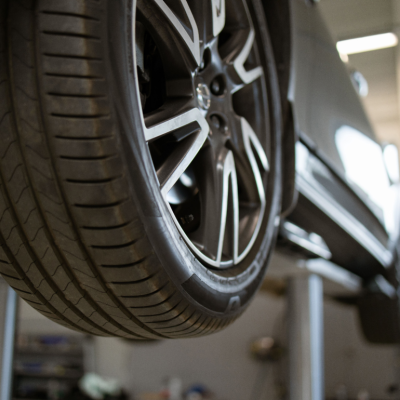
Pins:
<point x="83" y="237"/>
<point x="379" y="313"/>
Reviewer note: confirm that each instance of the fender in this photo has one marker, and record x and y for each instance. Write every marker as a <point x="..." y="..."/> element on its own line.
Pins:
<point x="278" y="15"/>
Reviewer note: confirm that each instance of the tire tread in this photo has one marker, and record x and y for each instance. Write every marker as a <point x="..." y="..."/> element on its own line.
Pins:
<point x="72" y="243"/>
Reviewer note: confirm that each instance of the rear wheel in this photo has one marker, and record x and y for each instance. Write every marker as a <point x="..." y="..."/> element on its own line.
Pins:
<point x="140" y="162"/>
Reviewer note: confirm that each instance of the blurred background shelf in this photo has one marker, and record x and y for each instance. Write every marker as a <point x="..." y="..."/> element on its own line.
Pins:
<point x="47" y="366"/>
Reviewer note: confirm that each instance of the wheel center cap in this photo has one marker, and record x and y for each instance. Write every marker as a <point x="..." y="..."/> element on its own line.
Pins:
<point x="203" y="96"/>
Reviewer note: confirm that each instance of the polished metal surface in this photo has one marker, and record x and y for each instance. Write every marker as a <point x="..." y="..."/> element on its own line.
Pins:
<point x="219" y="14"/>
<point x="311" y="242"/>
<point x="245" y="75"/>
<point x="3" y="309"/>
<point x="168" y="179"/>
<point x="306" y="364"/>
<point x="337" y="281"/>
<point x="8" y="316"/>
<point x="333" y="276"/>
<point x="203" y="96"/>
<point x="229" y="179"/>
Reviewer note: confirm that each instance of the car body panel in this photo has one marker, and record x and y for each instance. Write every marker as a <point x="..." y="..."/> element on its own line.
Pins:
<point x="340" y="168"/>
<point x="319" y="185"/>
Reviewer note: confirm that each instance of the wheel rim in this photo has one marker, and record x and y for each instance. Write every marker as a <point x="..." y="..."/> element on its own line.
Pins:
<point x="203" y="92"/>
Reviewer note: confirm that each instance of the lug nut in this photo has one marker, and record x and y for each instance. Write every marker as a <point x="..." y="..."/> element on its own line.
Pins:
<point x="217" y="86"/>
<point x="216" y="121"/>
<point x="218" y="124"/>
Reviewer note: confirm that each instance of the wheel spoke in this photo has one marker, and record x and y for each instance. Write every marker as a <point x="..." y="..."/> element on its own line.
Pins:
<point x="192" y="44"/>
<point x="240" y="60"/>
<point x="229" y="181"/>
<point x="251" y="142"/>
<point x="171" y="108"/>
<point x="175" y="124"/>
<point x="218" y="232"/>
<point x="250" y="138"/>
<point x="219" y="15"/>
<point x="247" y="76"/>
<point x="195" y="128"/>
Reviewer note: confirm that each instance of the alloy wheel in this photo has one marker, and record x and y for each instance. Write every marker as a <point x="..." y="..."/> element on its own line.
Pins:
<point x="205" y="119"/>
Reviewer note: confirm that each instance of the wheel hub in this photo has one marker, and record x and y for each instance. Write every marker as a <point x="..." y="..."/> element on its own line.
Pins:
<point x="214" y="74"/>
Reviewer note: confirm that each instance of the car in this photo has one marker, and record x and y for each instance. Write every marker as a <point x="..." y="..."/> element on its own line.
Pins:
<point x="348" y="183"/>
<point x="152" y="150"/>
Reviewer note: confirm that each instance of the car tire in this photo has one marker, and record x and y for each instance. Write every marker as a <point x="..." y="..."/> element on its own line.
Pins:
<point x="88" y="236"/>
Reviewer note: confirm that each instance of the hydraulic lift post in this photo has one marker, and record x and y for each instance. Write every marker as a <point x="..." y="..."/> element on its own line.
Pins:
<point x="306" y="284"/>
<point x="8" y="318"/>
<point x="306" y="360"/>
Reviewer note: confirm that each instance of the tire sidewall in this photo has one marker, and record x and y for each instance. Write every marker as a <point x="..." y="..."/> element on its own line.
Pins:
<point x="216" y="295"/>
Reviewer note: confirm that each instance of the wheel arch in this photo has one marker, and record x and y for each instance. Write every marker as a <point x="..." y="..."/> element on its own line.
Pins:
<point x="278" y="16"/>
<point x="277" y="13"/>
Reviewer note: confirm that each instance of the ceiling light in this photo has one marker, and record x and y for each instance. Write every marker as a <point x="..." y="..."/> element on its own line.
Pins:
<point x="344" y="57"/>
<point x="367" y="43"/>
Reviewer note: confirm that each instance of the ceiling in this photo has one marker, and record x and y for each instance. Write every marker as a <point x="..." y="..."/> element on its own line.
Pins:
<point x="355" y="18"/>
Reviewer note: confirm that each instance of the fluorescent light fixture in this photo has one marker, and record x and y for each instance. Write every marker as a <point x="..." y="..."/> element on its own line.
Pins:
<point x="367" y="43"/>
<point x="344" y="57"/>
